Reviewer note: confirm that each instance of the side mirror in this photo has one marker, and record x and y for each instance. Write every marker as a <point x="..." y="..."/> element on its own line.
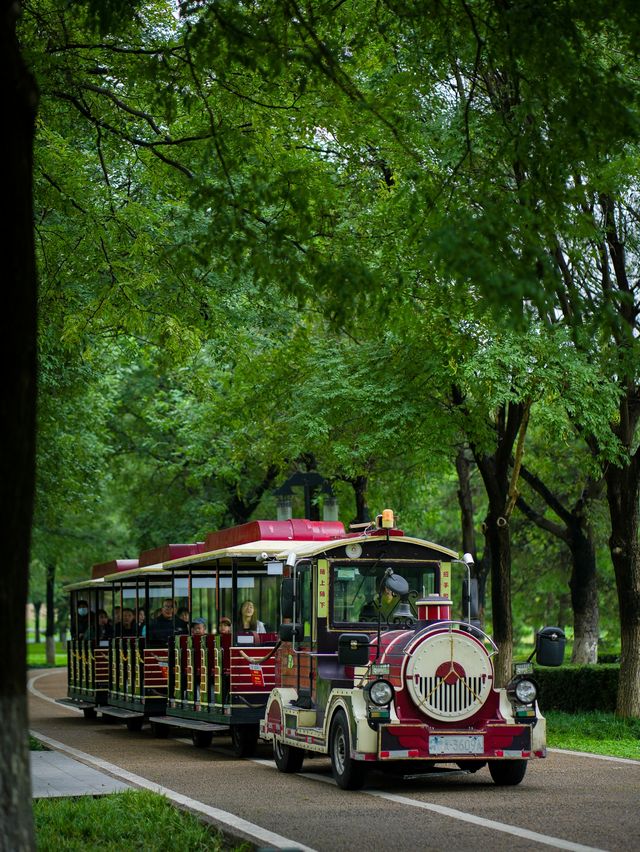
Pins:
<point x="287" y="592"/>
<point x="353" y="649"/>
<point x="550" y="642"/>
<point x="470" y="598"/>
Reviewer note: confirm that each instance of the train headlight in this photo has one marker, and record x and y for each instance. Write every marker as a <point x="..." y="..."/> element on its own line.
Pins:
<point x="523" y="690"/>
<point x="380" y="692"/>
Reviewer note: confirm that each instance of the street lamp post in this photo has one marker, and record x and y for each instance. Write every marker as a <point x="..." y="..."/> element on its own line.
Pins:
<point x="310" y="481"/>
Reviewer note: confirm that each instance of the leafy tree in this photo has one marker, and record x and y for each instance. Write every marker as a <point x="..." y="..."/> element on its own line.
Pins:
<point x="481" y="143"/>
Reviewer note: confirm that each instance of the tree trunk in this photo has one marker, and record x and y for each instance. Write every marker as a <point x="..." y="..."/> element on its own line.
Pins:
<point x="37" y="606"/>
<point x="50" y="632"/>
<point x="584" y="596"/>
<point x="17" y="414"/>
<point x="465" y="500"/>
<point x="360" y="484"/>
<point x="510" y="425"/>
<point x="480" y="569"/>
<point x="623" y="488"/>
<point x="499" y="541"/>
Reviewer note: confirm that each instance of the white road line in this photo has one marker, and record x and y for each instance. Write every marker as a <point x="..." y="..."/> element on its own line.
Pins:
<point x="597" y="756"/>
<point x="524" y="833"/>
<point x="32" y="689"/>
<point x="265" y="836"/>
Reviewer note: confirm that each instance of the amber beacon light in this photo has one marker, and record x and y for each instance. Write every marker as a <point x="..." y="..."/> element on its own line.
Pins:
<point x="387" y="519"/>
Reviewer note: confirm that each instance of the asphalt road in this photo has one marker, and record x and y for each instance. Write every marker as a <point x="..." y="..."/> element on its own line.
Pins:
<point x="565" y="801"/>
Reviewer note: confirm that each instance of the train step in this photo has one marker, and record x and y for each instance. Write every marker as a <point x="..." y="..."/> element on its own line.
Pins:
<point x="121" y="713"/>
<point x="191" y="724"/>
<point x="72" y="702"/>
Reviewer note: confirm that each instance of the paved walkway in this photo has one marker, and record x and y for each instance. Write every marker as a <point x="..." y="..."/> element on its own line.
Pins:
<point x="55" y="774"/>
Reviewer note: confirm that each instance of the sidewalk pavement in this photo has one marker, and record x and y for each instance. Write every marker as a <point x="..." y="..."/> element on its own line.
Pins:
<point x="55" y="774"/>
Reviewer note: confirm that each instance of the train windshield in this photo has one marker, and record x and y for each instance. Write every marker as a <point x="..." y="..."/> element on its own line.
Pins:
<point x="357" y="597"/>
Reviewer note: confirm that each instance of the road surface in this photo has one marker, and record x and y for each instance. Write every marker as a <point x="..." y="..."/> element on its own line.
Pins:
<point x="565" y="802"/>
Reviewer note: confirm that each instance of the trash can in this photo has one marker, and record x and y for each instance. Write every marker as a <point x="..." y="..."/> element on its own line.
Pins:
<point x="550" y="643"/>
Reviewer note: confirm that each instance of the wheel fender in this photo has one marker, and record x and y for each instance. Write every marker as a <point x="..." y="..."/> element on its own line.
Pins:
<point x="539" y="732"/>
<point x="363" y="739"/>
<point x="274" y="714"/>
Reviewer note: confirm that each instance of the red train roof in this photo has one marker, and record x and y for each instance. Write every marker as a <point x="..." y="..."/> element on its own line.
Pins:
<point x="295" y="529"/>
<point x="101" y="569"/>
<point x="166" y="552"/>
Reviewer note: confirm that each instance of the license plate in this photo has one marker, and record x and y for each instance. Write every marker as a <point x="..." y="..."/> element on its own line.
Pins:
<point x="456" y="744"/>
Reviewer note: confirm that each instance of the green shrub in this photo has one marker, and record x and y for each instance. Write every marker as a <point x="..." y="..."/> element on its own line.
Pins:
<point x="576" y="689"/>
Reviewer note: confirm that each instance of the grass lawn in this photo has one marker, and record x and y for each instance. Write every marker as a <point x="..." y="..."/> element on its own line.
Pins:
<point x="37" y="655"/>
<point x="597" y="733"/>
<point x="136" y="821"/>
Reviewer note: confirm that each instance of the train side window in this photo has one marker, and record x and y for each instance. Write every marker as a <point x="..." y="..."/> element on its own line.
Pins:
<point x="305" y="598"/>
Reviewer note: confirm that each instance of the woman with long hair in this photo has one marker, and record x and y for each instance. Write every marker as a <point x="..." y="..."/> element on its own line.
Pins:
<point x="248" y="618"/>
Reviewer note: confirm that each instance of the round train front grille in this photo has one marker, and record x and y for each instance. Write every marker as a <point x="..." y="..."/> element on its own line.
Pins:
<point x="449" y="675"/>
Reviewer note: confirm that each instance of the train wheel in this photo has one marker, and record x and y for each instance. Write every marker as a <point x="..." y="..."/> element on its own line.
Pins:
<point x="507" y="773"/>
<point x="89" y="712"/>
<point x="135" y="724"/>
<point x="244" y="739"/>
<point x="348" y="773"/>
<point x="161" y="732"/>
<point x="287" y="758"/>
<point x="201" y="739"/>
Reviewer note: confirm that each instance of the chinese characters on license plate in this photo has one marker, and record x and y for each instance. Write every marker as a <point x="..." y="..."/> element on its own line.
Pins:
<point x="456" y="744"/>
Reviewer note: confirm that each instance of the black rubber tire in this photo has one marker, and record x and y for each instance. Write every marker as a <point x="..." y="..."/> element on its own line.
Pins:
<point x="349" y="774"/>
<point x="507" y="773"/>
<point x="287" y="758"/>
<point x="160" y="732"/>
<point x="89" y="712"/>
<point x="201" y="739"/>
<point x="244" y="739"/>
<point x="134" y="724"/>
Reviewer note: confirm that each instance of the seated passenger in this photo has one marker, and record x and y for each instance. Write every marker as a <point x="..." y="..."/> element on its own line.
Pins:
<point x="224" y="625"/>
<point x="105" y="628"/>
<point x="161" y="627"/>
<point x="198" y="627"/>
<point x="182" y="620"/>
<point x="82" y="620"/>
<point x="248" y="618"/>
<point x="127" y="626"/>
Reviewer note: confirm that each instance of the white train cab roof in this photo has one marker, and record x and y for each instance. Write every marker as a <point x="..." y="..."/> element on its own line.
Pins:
<point x="282" y="550"/>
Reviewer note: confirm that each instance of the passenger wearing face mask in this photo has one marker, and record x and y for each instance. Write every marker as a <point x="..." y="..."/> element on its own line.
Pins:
<point x="82" y="620"/>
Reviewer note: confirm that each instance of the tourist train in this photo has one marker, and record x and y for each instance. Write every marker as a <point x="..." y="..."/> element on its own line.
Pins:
<point x="319" y="640"/>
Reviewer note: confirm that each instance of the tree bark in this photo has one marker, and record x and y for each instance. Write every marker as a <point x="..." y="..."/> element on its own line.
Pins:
<point x="360" y="484"/>
<point x="18" y="407"/>
<point x="37" y="606"/>
<point x="499" y="542"/>
<point x="584" y="596"/>
<point x="481" y="567"/>
<point x="623" y="491"/>
<point x="50" y="632"/>
<point x="465" y="501"/>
